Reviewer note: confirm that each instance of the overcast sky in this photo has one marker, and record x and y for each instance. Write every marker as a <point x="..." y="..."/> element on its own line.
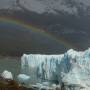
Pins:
<point x="4" y="4"/>
<point x="49" y="6"/>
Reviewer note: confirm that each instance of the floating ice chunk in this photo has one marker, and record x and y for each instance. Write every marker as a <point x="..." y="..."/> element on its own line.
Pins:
<point x="7" y="75"/>
<point x="23" y="79"/>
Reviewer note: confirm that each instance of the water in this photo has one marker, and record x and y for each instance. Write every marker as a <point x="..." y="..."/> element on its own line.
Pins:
<point x="10" y="63"/>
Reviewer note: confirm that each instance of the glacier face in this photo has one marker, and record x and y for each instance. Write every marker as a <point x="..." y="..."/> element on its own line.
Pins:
<point x="71" y="67"/>
<point x="41" y="66"/>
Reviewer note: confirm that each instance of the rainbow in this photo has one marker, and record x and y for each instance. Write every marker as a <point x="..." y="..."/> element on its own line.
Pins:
<point x="33" y="28"/>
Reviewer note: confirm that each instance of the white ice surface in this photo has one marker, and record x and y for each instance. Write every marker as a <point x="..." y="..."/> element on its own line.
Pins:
<point x="72" y="67"/>
<point x="7" y="75"/>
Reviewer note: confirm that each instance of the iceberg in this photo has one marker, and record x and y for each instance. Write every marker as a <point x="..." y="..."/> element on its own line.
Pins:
<point x="7" y="75"/>
<point x="72" y="67"/>
<point x="23" y="79"/>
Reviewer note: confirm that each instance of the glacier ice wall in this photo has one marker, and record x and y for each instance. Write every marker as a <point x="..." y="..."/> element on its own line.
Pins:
<point x="44" y="67"/>
<point x="70" y="67"/>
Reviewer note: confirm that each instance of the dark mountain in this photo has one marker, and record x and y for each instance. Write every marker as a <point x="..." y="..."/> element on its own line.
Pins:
<point x="15" y="40"/>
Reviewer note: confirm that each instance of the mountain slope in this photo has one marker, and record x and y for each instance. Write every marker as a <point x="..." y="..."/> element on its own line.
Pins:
<point x="53" y="18"/>
<point x="72" y="7"/>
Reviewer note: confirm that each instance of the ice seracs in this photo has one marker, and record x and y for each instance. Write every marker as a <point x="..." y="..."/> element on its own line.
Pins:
<point x="72" y="67"/>
<point x="41" y="66"/>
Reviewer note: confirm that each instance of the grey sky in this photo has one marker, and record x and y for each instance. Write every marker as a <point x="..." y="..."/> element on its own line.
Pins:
<point x="5" y="4"/>
<point x="49" y="6"/>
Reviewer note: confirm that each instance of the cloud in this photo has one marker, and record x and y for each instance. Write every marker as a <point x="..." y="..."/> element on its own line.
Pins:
<point x="5" y="4"/>
<point x="8" y="4"/>
<point x="48" y="6"/>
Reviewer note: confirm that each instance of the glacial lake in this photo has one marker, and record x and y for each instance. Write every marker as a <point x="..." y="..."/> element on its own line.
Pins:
<point x="12" y="64"/>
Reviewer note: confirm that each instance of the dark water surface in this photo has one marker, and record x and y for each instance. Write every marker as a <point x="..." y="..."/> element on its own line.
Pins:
<point x="11" y="64"/>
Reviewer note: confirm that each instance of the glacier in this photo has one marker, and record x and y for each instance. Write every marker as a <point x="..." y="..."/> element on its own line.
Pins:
<point x="72" y="67"/>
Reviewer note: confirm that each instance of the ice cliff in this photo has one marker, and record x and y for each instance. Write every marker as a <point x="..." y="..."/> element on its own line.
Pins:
<point x="72" y="67"/>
